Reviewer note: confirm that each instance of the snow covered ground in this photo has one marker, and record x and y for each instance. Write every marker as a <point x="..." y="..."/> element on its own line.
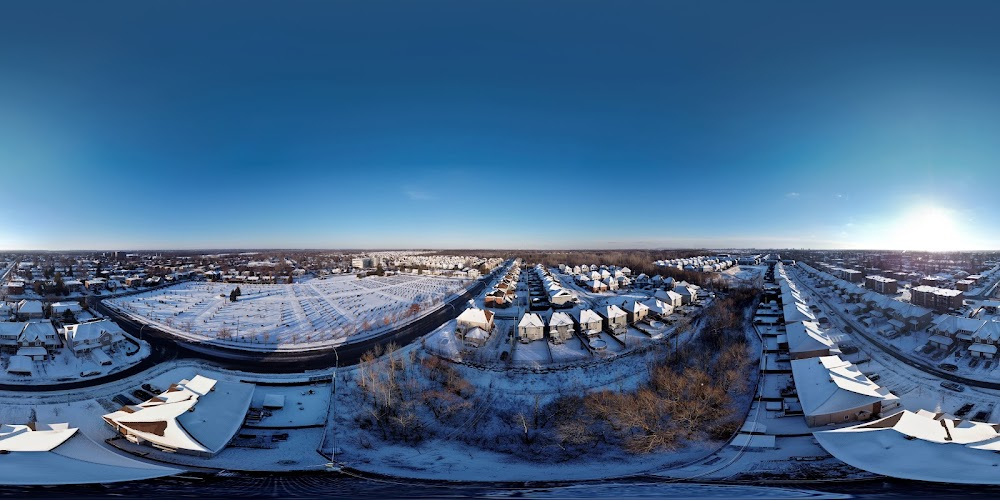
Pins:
<point x="65" y="365"/>
<point x="310" y="314"/>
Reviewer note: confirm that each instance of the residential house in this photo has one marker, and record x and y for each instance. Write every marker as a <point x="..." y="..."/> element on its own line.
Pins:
<point x="669" y="297"/>
<point x="474" y="337"/>
<point x="15" y="288"/>
<point x="58" y="309"/>
<point x="658" y="308"/>
<point x="530" y="328"/>
<point x="560" y="327"/>
<point x="30" y="309"/>
<point x="39" y="334"/>
<point x="636" y="311"/>
<point x="91" y="335"/>
<point x="474" y="317"/>
<point x="590" y="323"/>
<point x="688" y="295"/>
<point x="614" y="319"/>
<point x="9" y="333"/>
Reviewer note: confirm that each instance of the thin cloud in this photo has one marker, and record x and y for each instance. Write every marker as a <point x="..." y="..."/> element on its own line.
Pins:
<point x="792" y="195"/>
<point x="418" y="195"/>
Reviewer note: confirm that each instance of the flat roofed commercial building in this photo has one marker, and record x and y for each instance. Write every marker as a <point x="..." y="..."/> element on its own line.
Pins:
<point x="938" y="299"/>
<point x="881" y="284"/>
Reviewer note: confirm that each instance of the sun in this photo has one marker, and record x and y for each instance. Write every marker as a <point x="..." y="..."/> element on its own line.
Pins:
<point x="928" y="228"/>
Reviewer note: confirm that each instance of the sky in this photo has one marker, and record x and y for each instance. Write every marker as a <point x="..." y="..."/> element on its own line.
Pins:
<point x="514" y="124"/>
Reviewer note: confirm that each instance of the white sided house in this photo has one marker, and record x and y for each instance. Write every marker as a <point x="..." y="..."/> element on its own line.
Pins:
<point x="530" y="328"/>
<point x="658" y="308"/>
<point x="474" y="317"/>
<point x="670" y="297"/>
<point x="474" y="326"/>
<point x="687" y="292"/>
<point x="88" y="336"/>
<point x="614" y="318"/>
<point x="636" y="311"/>
<point x="560" y="327"/>
<point x="195" y="417"/>
<point x="834" y="391"/>
<point x="590" y="323"/>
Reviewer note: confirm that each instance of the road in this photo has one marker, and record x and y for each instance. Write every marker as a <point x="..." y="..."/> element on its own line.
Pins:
<point x="915" y="363"/>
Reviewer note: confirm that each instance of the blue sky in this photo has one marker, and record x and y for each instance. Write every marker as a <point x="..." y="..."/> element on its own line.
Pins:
<point x="550" y="124"/>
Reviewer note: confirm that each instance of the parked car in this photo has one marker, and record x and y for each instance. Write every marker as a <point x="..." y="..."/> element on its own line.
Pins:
<point x="948" y="367"/>
<point x="953" y="386"/>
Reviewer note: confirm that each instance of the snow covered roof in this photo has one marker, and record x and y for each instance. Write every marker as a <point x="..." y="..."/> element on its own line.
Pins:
<point x="983" y="348"/>
<point x="806" y="337"/>
<point x="11" y="329"/>
<point x="668" y="296"/>
<point x="34" y="436"/>
<point x="990" y="332"/>
<point x="200" y="415"/>
<point x="636" y="306"/>
<point x="84" y="332"/>
<point x="531" y="320"/>
<point x="77" y="460"/>
<point x="906" y="310"/>
<point x="32" y="351"/>
<point x="924" y="447"/>
<point x="560" y="319"/>
<point x="475" y="316"/>
<point x="611" y="311"/>
<point x="62" y="306"/>
<point x="947" y="323"/>
<point x="797" y="311"/>
<point x="19" y="364"/>
<point x="656" y="306"/>
<point x="941" y="339"/>
<point x="26" y="306"/>
<point x="476" y="333"/>
<point x="38" y="331"/>
<point x="828" y="384"/>
<point x="588" y="316"/>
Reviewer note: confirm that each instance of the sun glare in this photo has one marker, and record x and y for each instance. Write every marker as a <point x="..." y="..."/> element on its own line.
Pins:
<point x="927" y="228"/>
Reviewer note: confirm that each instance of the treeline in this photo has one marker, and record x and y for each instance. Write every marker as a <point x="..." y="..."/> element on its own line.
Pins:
<point x="639" y="261"/>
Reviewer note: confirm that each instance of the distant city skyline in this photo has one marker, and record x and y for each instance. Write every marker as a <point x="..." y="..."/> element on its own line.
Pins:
<point x="551" y="125"/>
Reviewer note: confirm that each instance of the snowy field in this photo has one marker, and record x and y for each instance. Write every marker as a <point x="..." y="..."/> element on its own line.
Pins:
<point x="302" y="315"/>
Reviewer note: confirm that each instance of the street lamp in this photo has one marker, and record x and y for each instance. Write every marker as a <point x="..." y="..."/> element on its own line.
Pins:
<point x="336" y="366"/>
<point x="140" y="331"/>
